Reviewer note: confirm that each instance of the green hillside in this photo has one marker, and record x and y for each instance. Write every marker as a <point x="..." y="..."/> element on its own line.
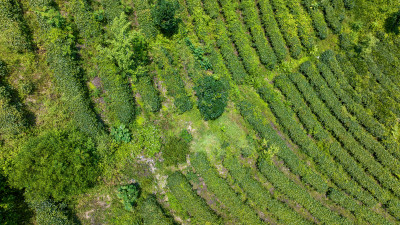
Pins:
<point x="199" y="112"/>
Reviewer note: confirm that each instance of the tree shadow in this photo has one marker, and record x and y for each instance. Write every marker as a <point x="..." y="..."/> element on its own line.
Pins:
<point x="392" y="23"/>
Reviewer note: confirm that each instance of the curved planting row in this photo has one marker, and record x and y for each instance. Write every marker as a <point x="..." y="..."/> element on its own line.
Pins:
<point x="331" y="17"/>
<point x="250" y="16"/>
<point x="198" y="210"/>
<point x="297" y="166"/>
<point x="67" y="74"/>
<point x="173" y="82"/>
<point x="272" y="29"/>
<point x="332" y="124"/>
<point x="317" y="17"/>
<point x="363" y="137"/>
<point x="300" y="195"/>
<point x="359" y="211"/>
<point x="288" y="27"/>
<point x="316" y="129"/>
<point x="303" y="23"/>
<point x="14" y="31"/>
<point x="260" y="195"/>
<point x="241" y="39"/>
<point x="368" y="121"/>
<point x="377" y="99"/>
<point x="222" y="190"/>
<point x="152" y="212"/>
<point x="324" y="162"/>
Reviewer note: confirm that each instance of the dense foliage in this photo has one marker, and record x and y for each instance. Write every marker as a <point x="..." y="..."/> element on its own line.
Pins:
<point x="297" y="117"/>
<point x="57" y="164"/>
<point x="212" y="97"/>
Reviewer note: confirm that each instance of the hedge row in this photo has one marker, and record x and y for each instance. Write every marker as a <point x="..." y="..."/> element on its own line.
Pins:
<point x="13" y="30"/>
<point x="300" y="195"/>
<point x="118" y="96"/>
<point x="358" y="210"/>
<point x="197" y="208"/>
<point x="174" y="83"/>
<point x="368" y="121"/>
<point x="331" y="17"/>
<point x="393" y="207"/>
<point x="372" y="96"/>
<point x="89" y="29"/>
<point x="333" y="103"/>
<point x="152" y="212"/>
<point x="315" y="128"/>
<point x="241" y="38"/>
<point x="258" y="194"/>
<point x="144" y="17"/>
<point x="388" y="62"/>
<point x="318" y="19"/>
<point x="331" y="123"/>
<point x="222" y="190"/>
<point x="258" y="122"/>
<point x="349" y="4"/>
<point x="212" y="8"/>
<point x="385" y="81"/>
<point x="148" y="92"/>
<point x="304" y="24"/>
<point x="67" y="73"/>
<point x="12" y="119"/>
<point x="324" y="162"/>
<point x="339" y="7"/>
<point x="288" y="27"/>
<point x="112" y="9"/>
<point x="203" y="29"/>
<point x="272" y="30"/>
<point x="228" y="52"/>
<point x="250" y="16"/>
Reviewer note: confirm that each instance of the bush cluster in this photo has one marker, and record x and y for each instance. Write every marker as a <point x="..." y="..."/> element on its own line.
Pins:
<point x="212" y="97"/>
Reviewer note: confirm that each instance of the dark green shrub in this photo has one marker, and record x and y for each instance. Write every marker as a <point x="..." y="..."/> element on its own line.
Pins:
<point x="56" y="164"/>
<point x="129" y="195"/>
<point x="212" y="97"/>
<point x="164" y="18"/>
<point x="186" y="136"/>
<point x="12" y="120"/>
<point x="175" y="151"/>
<point x="121" y="134"/>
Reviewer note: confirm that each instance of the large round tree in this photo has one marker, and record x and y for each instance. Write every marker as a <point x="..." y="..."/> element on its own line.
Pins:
<point x="212" y="97"/>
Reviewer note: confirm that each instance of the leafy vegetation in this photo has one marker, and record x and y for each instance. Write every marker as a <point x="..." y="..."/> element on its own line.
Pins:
<point x="212" y="97"/>
<point x="296" y="118"/>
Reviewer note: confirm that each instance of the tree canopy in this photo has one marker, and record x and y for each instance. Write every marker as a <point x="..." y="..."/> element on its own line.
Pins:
<point x="212" y="97"/>
<point x="57" y="164"/>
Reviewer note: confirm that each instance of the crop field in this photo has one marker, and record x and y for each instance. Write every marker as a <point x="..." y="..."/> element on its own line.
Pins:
<point x="199" y="112"/>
